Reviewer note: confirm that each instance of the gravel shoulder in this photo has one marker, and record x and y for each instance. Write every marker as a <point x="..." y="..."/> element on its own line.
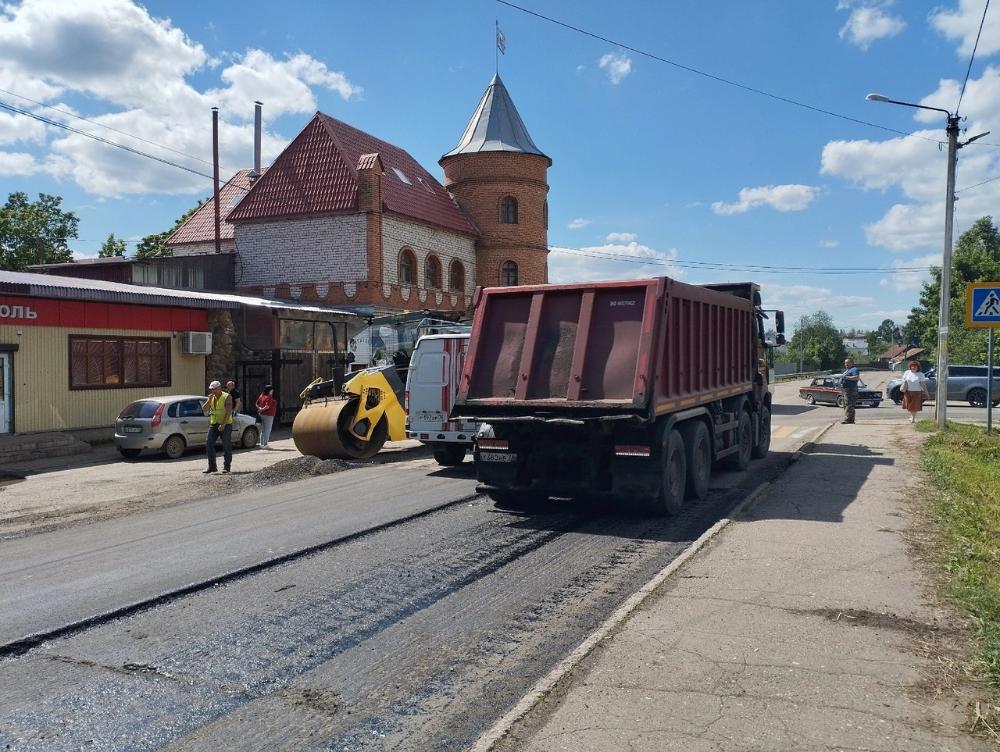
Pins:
<point x="47" y="494"/>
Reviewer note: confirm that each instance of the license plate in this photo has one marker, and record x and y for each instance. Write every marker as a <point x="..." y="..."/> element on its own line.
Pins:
<point x="133" y="429"/>
<point x="497" y="457"/>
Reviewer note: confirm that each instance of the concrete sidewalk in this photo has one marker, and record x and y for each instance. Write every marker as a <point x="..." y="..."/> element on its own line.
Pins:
<point x="804" y="625"/>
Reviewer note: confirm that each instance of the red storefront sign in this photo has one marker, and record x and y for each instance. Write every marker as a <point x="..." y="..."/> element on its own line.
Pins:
<point x="78" y="314"/>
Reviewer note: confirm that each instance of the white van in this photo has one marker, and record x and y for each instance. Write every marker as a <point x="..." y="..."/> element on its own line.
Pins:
<point x="431" y="383"/>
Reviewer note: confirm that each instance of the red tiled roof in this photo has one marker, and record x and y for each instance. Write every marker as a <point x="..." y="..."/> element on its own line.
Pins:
<point x="317" y="174"/>
<point x="200" y="226"/>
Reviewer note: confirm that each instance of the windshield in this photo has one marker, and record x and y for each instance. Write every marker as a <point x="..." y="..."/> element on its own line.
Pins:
<point x="141" y="409"/>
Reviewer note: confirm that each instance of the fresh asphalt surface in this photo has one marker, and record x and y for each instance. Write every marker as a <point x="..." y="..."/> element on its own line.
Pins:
<point x="414" y="636"/>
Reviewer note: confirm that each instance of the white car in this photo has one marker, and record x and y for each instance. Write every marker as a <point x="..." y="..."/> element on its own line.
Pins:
<point x="172" y="425"/>
<point x="431" y="384"/>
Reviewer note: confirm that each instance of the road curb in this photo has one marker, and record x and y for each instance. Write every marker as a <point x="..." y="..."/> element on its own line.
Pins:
<point x="487" y="741"/>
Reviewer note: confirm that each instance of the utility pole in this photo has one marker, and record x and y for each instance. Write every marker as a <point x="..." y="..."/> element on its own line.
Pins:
<point x="215" y="172"/>
<point x="944" y="312"/>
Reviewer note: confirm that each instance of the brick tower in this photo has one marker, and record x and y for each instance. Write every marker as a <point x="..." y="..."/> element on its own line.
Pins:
<point x="498" y="176"/>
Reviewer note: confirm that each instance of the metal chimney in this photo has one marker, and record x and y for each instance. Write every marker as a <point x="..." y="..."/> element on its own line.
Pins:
<point x="256" y="142"/>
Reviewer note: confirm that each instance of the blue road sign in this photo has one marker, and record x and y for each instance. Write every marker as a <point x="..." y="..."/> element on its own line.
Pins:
<point x="982" y="304"/>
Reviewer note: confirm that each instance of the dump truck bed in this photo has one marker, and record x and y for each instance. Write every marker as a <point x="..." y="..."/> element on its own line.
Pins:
<point x="640" y="348"/>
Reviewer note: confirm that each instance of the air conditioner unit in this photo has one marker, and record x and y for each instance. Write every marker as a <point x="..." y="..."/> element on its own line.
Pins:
<point x="196" y="343"/>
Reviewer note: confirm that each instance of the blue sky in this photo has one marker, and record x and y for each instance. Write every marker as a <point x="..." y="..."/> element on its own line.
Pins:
<point x="656" y="170"/>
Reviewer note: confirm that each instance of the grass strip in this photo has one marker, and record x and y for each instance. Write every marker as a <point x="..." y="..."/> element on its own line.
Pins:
<point x="964" y="465"/>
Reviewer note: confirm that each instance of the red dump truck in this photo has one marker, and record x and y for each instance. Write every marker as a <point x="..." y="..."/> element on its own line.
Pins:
<point x="631" y="390"/>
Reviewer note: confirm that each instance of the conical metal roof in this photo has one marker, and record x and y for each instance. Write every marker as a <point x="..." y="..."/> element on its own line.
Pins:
<point x="495" y="126"/>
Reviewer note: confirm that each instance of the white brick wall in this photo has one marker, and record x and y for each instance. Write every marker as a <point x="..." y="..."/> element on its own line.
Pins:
<point x="423" y="240"/>
<point x="197" y="249"/>
<point x="322" y="249"/>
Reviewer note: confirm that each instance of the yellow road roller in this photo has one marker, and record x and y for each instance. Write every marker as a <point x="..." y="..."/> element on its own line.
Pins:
<point x="355" y="423"/>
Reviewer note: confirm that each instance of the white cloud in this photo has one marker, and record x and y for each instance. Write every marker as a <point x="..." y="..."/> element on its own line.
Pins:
<point x="868" y="24"/>
<point x="962" y="24"/>
<point x="617" y="66"/>
<point x="136" y="67"/>
<point x="783" y="198"/>
<point x="629" y="260"/>
<point x="621" y="237"/>
<point x="18" y="163"/>
<point x="829" y="243"/>
<point x="579" y="223"/>
<point x="911" y="277"/>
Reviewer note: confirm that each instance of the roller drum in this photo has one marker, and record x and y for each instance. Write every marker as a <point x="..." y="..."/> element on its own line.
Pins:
<point x="322" y="429"/>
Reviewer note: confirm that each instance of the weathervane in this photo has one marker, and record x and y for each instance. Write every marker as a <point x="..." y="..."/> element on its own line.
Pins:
<point x="501" y="46"/>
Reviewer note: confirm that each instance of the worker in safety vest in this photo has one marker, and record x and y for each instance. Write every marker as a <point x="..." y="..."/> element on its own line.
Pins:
<point x="219" y="409"/>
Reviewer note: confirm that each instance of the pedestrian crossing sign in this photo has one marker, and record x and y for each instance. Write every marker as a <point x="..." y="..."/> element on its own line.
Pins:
<point x="982" y="304"/>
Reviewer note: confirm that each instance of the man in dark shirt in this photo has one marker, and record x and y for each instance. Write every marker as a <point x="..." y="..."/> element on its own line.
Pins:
<point x="849" y="380"/>
<point x="237" y="397"/>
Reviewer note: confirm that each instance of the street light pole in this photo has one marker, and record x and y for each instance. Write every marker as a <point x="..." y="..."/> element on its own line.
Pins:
<point x="941" y="393"/>
<point x="944" y="312"/>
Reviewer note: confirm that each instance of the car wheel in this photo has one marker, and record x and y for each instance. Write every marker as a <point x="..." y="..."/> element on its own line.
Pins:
<point x="896" y="396"/>
<point x="448" y="455"/>
<point x="174" y="447"/>
<point x="129" y="454"/>
<point x="250" y="437"/>
<point x="977" y="397"/>
<point x="811" y="400"/>
<point x="841" y="402"/>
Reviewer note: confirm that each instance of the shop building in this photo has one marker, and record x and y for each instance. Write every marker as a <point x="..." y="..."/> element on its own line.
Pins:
<point x="74" y="351"/>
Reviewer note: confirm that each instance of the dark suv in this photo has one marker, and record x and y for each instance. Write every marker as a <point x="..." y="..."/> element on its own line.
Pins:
<point x="965" y="383"/>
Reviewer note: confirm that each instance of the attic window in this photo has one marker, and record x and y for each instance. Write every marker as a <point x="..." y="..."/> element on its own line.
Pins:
<point x="233" y="200"/>
<point x="401" y="176"/>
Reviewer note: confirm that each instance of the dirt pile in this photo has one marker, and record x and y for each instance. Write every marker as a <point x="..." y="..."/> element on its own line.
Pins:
<point x="299" y="468"/>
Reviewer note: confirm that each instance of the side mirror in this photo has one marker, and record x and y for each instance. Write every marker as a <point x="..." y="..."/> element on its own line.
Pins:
<point x="779" y="340"/>
<point x="779" y="324"/>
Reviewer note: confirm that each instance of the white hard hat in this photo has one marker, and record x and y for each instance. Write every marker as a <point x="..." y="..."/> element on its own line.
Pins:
<point x="214" y="385"/>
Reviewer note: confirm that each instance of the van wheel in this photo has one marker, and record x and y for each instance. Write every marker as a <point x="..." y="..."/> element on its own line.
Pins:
<point x="174" y="447"/>
<point x="449" y="455"/>
<point x="699" y="459"/>
<point x="673" y="477"/>
<point x="763" y="435"/>
<point x="740" y="460"/>
<point x="977" y="397"/>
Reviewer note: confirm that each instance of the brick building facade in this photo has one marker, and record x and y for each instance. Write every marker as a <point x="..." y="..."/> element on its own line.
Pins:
<point x="344" y="218"/>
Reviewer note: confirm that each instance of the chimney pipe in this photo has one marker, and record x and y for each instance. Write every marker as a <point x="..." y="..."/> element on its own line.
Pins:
<point x="256" y="142"/>
<point x="215" y="177"/>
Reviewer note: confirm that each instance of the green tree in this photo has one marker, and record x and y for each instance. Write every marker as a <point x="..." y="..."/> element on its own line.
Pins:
<point x="111" y="247"/>
<point x="817" y="342"/>
<point x="883" y="337"/>
<point x="155" y="245"/>
<point x="976" y="258"/>
<point x="35" y="232"/>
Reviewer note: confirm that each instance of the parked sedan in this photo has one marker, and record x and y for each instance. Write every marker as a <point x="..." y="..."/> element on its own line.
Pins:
<point x="171" y="425"/>
<point x="829" y="390"/>
<point x="965" y="384"/>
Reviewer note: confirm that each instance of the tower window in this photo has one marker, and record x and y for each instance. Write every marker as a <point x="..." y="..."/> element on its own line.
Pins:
<point x="508" y="210"/>
<point x="545" y="213"/>
<point x="508" y="274"/>
<point x="456" y="277"/>
<point x="432" y="273"/>
<point x="407" y="267"/>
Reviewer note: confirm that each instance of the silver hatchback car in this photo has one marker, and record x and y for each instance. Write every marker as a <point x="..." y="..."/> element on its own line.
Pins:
<point x="172" y="425"/>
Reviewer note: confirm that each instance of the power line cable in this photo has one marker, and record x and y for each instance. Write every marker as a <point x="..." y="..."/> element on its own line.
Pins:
<point x="107" y="127"/>
<point x="712" y="76"/>
<point x="123" y="147"/>
<point x="972" y="57"/>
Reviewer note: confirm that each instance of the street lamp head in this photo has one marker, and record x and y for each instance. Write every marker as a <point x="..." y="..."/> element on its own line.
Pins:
<point x="877" y="98"/>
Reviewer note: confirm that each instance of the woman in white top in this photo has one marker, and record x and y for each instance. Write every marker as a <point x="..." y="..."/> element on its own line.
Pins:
<point x="914" y="389"/>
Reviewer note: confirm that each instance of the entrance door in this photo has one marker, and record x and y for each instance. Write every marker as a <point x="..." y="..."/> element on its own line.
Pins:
<point x="6" y="396"/>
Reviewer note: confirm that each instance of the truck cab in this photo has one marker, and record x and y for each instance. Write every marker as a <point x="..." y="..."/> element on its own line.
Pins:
<point x="431" y="384"/>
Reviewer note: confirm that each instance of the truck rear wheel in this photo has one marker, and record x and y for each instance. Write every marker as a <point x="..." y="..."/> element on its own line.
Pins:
<point x="699" y="458"/>
<point x="673" y="476"/>
<point x="740" y="460"/>
<point x="763" y="435"/>
<point x="517" y="500"/>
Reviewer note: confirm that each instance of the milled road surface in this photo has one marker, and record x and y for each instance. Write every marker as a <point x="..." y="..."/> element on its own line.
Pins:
<point x="414" y="636"/>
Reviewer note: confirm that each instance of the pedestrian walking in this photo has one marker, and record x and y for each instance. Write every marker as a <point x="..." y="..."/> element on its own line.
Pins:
<point x="219" y="409"/>
<point x="267" y="408"/>
<point x="849" y="380"/>
<point x="914" y="389"/>
<point x="237" y="396"/>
